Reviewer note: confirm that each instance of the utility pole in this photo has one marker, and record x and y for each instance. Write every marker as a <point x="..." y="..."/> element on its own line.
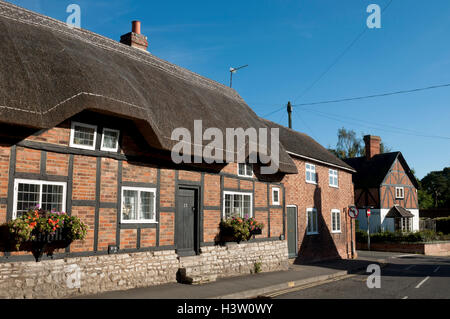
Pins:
<point x="289" y="110"/>
<point x="233" y="70"/>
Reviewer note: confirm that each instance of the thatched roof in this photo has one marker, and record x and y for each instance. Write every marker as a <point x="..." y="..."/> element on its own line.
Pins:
<point x="301" y="145"/>
<point x="50" y="72"/>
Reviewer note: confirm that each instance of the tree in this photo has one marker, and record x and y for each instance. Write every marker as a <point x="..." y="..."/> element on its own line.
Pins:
<point x="348" y="145"/>
<point x="437" y="185"/>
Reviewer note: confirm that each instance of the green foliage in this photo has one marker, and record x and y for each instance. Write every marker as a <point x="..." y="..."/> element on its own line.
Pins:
<point x="425" y="199"/>
<point x="443" y="225"/>
<point x="38" y="222"/>
<point x="400" y="237"/>
<point x="350" y="145"/>
<point x="437" y="185"/>
<point x="239" y="229"/>
<point x="257" y="267"/>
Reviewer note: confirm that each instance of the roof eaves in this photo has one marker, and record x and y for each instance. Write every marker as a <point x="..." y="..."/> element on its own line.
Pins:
<point x="322" y="162"/>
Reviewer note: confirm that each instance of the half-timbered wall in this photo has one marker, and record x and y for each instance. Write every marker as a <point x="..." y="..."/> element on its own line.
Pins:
<point x="397" y="177"/>
<point x="95" y="178"/>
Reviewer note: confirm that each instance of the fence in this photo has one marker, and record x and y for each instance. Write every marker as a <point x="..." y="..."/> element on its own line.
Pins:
<point x="427" y="224"/>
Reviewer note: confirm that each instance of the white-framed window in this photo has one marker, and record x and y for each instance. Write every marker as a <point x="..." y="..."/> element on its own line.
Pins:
<point x="333" y="177"/>
<point x="110" y="140"/>
<point x="399" y="192"/>
<point x="138" y="205"/>
<point x="245" y="169"/>
<point x="83" y="136"/>
<point x="30" y="193"/>
<point x="275" y="196"/>
<point x="237" y="204"/>
<point x="311" y="176"/>
<point x="311" y="221"/>
<point x="335" y="221"/>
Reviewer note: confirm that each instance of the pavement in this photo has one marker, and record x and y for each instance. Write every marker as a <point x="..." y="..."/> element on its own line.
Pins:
<point x="256" y="285"/>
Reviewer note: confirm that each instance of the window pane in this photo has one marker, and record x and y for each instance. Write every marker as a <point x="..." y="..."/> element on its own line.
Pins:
<point x="227" y="205"/>
<point x="237" y="205"/>
<point x="314" y="218"/>
<point x="247" y="205"/>
<point x="241" y="169"/>
<point x="147" y="201"/>
<point x="52" y="197"/>
<point x="130" y="201"/>
<point x="275" y="196"/>
<point x="83" y="135"/>
<point x="249" y="169"/>
<point x="308" y="176"/>
<point x="110" y="139"/>
<point x="309" y="222"/>
<point x="27" y="197"/>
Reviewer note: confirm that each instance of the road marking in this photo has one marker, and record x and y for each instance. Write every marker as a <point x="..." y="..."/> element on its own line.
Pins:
<point x="406" y="297"/>
<point x="422" y="282"/>
<point x="437" y="268"/>
<point x="409" y="267"/>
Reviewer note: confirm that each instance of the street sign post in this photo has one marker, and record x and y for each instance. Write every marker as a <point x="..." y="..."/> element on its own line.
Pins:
<point x="368" y="228"/>
<point x="352" y="213"/>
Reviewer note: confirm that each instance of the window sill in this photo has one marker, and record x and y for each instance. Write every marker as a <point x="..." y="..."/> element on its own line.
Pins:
<point x="137" y="222"/>
<point x="333" y="186"/>
<point x="89" y="148"/>
<point x="309" y="182"/>
<point x="337" y="232"/>
<point x="314" y="233"/>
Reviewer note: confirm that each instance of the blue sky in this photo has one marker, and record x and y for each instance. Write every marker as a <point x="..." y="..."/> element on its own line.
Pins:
<point x="289" y="44"/>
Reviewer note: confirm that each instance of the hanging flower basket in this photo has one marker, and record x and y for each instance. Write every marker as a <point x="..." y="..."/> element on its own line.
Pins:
<point x="239" y="229"/>
<point x="37" y="230"/>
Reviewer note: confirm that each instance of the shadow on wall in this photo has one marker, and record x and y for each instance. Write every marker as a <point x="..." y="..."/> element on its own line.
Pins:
<point x="321" y="246"/>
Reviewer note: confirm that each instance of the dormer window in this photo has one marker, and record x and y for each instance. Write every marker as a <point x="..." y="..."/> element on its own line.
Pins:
<point x="83" y="136"/>
<point x="245" y="169"/>
<point x="110" y="140"/>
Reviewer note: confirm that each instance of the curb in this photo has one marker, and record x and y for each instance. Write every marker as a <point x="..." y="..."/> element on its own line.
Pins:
<point x="253" y="293"/>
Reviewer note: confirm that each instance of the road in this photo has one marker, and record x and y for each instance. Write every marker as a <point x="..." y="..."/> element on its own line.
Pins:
<point x="403" y="277"/>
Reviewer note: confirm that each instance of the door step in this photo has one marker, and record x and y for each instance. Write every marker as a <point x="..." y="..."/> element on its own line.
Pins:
<point x="188" y="276"/>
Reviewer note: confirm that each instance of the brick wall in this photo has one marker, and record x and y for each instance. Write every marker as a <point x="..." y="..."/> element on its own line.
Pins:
<point x="324" y="198"/>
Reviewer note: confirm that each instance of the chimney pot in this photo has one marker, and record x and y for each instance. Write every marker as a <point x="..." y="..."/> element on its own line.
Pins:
<point x="372" y="145"/>
<point x="134" y="38"/>
<point x="136" y="27"/>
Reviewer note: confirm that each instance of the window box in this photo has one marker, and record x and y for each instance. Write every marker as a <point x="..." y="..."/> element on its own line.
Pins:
<point x="239" y="229"/>
<point x="38" y="230"/>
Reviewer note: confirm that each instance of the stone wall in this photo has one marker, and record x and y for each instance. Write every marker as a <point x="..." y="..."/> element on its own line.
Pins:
<point x="72" y="277"/>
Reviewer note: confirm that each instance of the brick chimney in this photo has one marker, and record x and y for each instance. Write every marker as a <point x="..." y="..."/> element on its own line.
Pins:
<point x="372" y="145"/>
<point x="135" y="38"/>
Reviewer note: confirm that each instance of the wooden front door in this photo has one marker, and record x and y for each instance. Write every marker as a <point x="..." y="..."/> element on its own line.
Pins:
<point x="292" y="231"/>
<point x="187" y="222"/>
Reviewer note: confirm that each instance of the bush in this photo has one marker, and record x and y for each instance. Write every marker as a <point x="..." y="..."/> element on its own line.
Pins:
<point x="443" y="225"/>
<point x="398" y="237"/>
